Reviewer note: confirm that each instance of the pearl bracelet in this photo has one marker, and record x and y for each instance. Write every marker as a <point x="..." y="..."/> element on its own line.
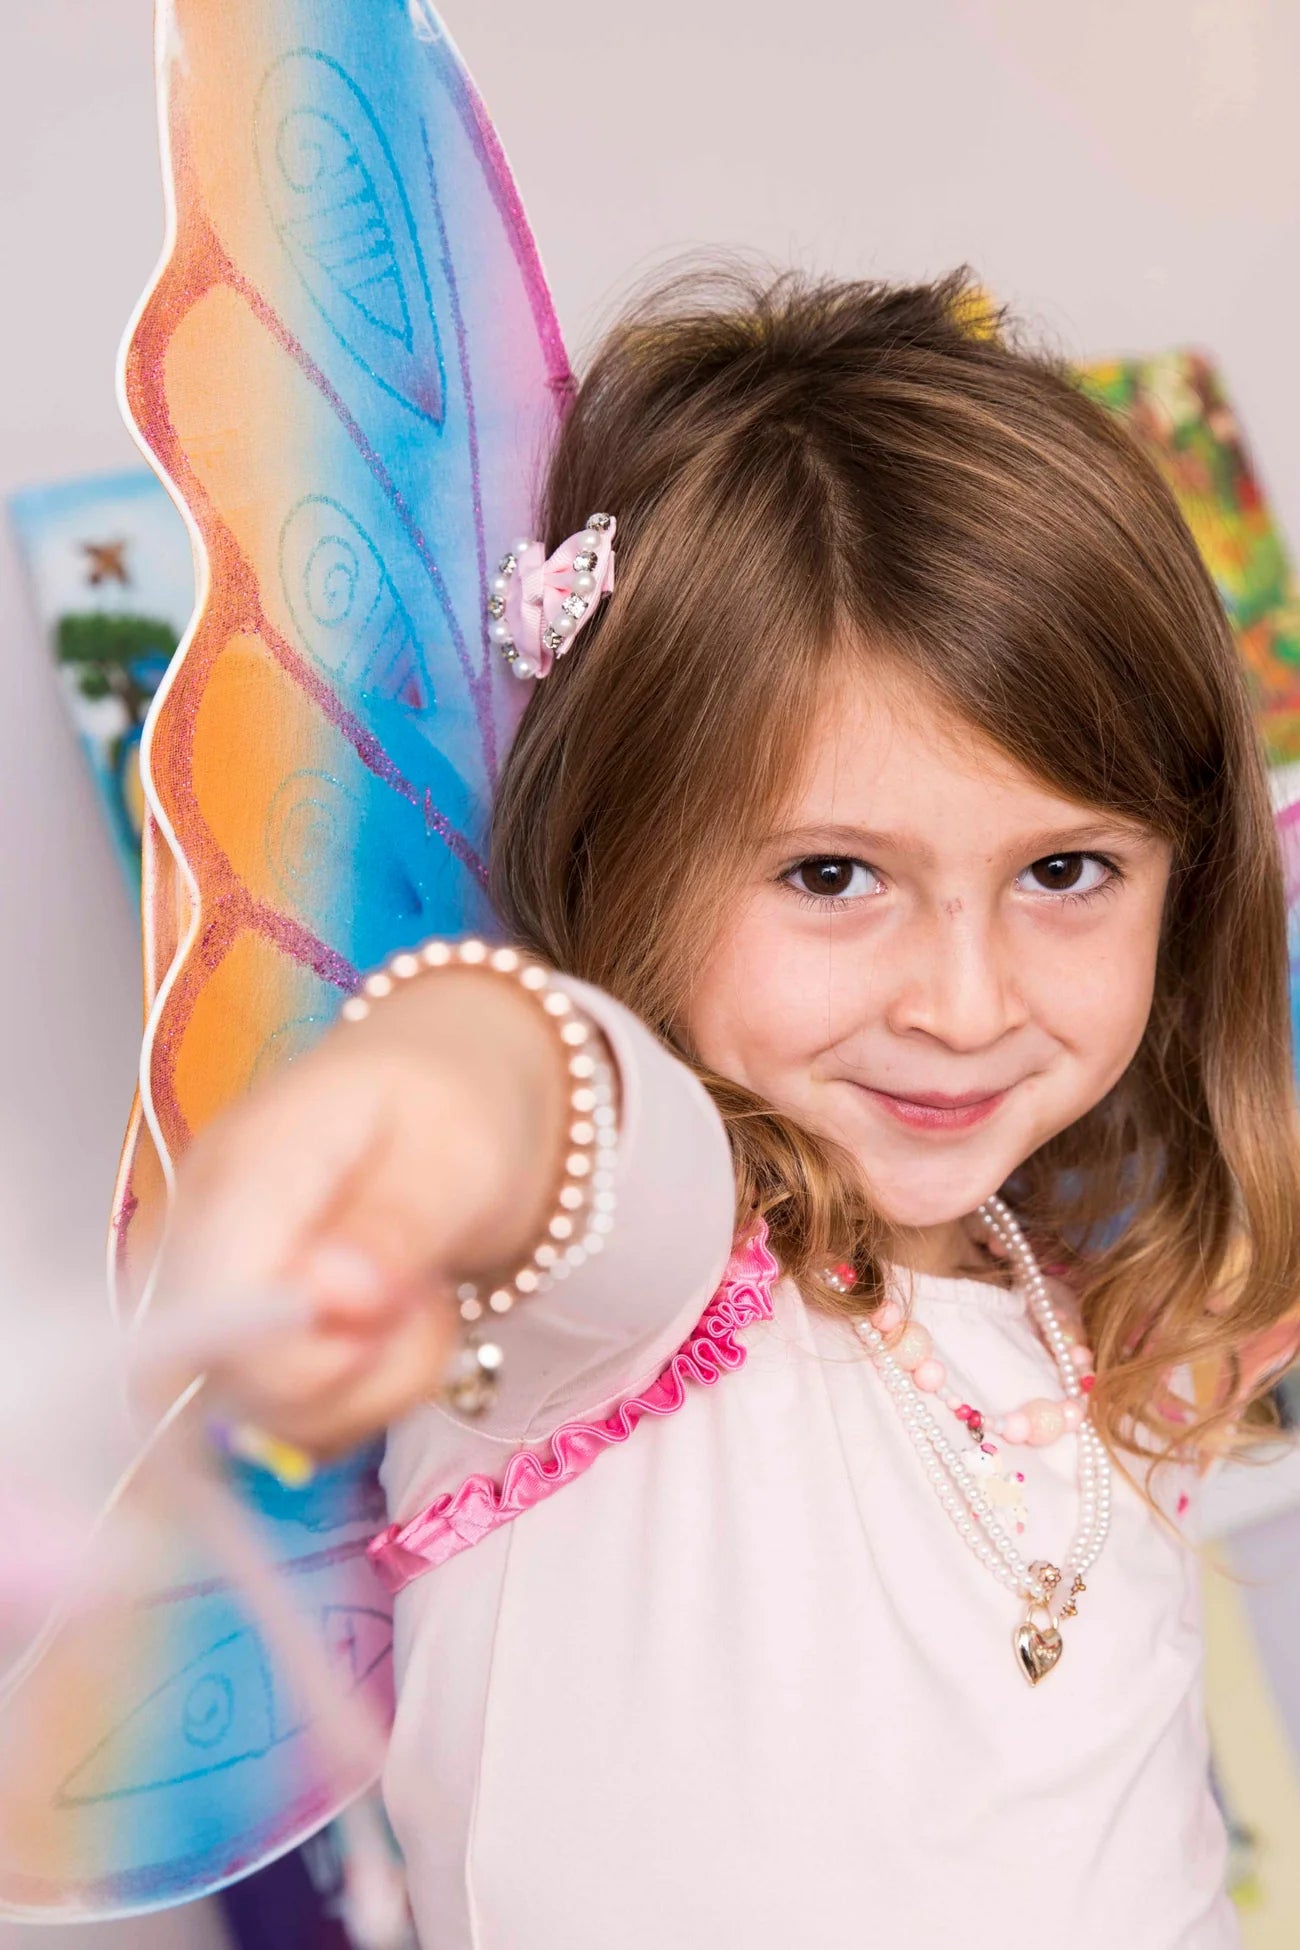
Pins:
<point x="584" y="1206"/>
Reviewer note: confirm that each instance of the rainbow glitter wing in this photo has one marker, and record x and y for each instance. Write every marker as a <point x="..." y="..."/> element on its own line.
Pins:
<point x="159" y="1740"/>
<point x="348" y="371"/>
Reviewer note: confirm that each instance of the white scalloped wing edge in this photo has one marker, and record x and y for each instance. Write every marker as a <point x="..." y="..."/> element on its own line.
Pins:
<point x="168" y="53"/>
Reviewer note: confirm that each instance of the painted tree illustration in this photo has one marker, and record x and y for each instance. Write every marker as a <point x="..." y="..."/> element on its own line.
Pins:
<point x="119" y="656"/>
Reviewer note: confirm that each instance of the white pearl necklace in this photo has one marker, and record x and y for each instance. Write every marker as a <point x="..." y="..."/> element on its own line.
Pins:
<point x="1037" y="1639"/>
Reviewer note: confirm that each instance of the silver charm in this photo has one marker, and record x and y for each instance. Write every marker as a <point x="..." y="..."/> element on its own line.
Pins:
<point x="473" y="1380"/>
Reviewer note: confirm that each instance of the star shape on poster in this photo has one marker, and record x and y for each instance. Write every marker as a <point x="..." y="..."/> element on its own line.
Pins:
<point x="106" y="562"/>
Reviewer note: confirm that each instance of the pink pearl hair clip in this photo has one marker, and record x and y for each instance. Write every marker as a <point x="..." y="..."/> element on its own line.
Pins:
<point x="538" y="603"/>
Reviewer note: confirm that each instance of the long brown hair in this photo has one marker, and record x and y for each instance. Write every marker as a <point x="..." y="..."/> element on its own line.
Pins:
<point x="795" y="465"/>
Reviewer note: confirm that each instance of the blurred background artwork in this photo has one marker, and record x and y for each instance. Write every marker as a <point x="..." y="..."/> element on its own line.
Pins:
<point x="1177" y="404"/>
<point x="1044" y="166"/>
<point x="112" y="581"/>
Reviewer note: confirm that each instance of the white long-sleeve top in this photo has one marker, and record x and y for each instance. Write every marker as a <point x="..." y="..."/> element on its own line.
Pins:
<point x="737" y="1680"/>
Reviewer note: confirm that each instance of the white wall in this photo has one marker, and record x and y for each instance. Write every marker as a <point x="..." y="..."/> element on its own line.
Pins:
<point x="1127" y="169"/>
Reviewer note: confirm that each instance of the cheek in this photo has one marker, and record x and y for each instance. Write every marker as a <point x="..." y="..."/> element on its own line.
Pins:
<point x="759" y="1006"/>
<point x="1100" y="1004"/>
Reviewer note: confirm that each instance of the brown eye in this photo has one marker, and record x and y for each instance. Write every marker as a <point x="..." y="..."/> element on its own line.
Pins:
<point x="826" y="876"/>
<point x="1058" y="871"/>
<point x="832" y="878"/>
<point x="1067" y="873"/>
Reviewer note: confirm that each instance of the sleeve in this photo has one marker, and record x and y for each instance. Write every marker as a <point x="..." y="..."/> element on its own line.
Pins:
<point x="613" y="1324"/>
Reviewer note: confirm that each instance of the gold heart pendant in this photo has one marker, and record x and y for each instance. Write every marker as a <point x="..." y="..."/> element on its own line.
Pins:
<point x="1038" y="1649"/>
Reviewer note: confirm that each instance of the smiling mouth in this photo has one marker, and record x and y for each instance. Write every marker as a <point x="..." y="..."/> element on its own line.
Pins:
<point x="934" y="1111"/>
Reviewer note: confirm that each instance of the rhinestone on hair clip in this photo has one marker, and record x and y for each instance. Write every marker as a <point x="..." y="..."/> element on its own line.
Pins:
<point x="538" y="603"/>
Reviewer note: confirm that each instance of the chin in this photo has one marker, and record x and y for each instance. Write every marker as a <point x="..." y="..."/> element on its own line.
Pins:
<point x="944" y="1190"/>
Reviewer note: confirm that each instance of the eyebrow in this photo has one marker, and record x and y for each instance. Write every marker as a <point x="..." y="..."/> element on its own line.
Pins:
<point x="1034" y="845"/>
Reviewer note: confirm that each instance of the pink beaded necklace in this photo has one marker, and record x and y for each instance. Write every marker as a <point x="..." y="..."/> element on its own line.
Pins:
<point x="1038" y="1422"/>
<point x="916" y="1381"/>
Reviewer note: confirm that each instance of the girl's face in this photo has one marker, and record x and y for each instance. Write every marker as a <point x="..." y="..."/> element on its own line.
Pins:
<point x="937" y="960"/>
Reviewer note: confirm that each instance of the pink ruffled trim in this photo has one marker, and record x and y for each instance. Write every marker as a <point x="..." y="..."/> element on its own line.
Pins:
<point x="459" y="1518"/>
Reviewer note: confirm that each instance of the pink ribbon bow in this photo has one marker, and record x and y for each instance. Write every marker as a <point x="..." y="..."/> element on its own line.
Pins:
<point x="549" y="598"/>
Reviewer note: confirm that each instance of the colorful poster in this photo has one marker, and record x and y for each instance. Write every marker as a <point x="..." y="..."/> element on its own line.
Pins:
<point x="1177" y="405"/>
<point x="111" y="570"/>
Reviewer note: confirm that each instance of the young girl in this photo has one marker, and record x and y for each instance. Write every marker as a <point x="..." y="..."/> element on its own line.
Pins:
<point x="890" y="842"/>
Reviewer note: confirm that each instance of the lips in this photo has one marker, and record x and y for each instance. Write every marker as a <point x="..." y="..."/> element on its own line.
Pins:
<point x="940" y="1100"/>
<point x="934" y="1110"/>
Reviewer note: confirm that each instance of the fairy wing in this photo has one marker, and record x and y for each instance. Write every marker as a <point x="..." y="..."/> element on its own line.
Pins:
<point x="348" y="371"/>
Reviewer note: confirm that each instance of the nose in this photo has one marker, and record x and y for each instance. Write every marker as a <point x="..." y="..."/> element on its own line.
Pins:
<point x="954" y="980"/>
